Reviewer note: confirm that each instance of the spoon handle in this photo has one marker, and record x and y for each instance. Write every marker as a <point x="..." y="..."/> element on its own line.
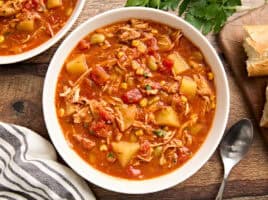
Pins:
<point x="220" y="193"/>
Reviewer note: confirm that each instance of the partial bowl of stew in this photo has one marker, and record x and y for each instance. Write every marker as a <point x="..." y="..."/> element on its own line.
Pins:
<point x="136" y="100"/>
<point x="30" y="27"/>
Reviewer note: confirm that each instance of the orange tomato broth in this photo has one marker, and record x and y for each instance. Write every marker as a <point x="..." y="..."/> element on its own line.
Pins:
<point x="87" y="143"/>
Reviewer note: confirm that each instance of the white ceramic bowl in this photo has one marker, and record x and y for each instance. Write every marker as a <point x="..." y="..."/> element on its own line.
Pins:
<point x="46" y="45"/>
<point x="119" y="184"/>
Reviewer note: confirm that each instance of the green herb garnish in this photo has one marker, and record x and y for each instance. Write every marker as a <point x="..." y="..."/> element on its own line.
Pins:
<point x="148" y="87"/>
<point x="110" y="155"/>
<point x="146" y="75"/>
<point x="206" y="15"/>
<point x="86" y="125"/>
<point x="159" y="132"/>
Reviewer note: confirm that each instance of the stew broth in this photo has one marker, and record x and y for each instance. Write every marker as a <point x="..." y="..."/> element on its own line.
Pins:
<point x="136" y="99"/>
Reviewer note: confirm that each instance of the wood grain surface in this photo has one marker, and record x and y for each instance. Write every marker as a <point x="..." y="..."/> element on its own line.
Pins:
<point x="20" y="103"/>
<point x="231" y="39"/>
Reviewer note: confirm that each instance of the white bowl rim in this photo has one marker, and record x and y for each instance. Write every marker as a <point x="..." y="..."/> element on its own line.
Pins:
<point x="10" y="59"/>
<point x="136" y="186"/>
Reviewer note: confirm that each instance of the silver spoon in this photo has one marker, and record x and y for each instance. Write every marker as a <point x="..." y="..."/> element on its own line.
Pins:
<point x="234" y="146"/>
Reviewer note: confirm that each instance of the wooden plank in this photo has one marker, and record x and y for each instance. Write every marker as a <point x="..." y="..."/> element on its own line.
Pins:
<point x="231" y="39"/>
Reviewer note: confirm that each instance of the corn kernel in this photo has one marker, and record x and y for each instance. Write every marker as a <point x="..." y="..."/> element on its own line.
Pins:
<point x="97" y="38"/>
<point x="140" y="71"/>
<point x="162" y="161"/>
<point x="154" y="100"/>
<point x="162" y="83"/>
<point x="143" y="102"/>
<point x="103" y="147"/>
<point x="151" y="63"/>
<point x="210" y="76"/>
<point x="197" y="55"/>
<point x="193" y="64"/>
<point x="12" y="24"/>
<point x="135" y="43"/>
<point x="212" y="98"/>
<point x="139" y="132"/>
<point x="154" y="31"/>
<point x="69" y="11"/>
<point x="120" y="54"/>
<point x="2" y="38"/>
<point x="166" y="128"/>
<point x="119" y="136"/>
<point x="124" y="85"/>
<point x="142" y="47"/>
<point x="133" y="138"/>
<point x="183" y="99"/>
<point x="179" y="143"/>
<point x="135" y="64"/>
<point x="213" y="105"/>
<point x="61" y="112"/>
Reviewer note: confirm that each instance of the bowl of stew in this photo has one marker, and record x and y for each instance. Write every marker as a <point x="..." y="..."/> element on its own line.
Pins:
<point x="29" y="27"/>
<point x="136" y="100"/>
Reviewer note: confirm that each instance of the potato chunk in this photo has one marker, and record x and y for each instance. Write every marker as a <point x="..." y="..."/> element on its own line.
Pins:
<point x="179" y="64"/>
<point x="167" y="116"/>
<point x="126" y="116"/>
<point x="125" y="151"/>
<point x="26" y="25"/>
<point x="77" y="66"/>
<point x="188" y="87"/>
<point x="54" y="3"/>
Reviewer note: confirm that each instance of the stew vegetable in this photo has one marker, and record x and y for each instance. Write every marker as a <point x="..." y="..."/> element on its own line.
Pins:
<point x="136" y="99"/>
<point x="26" y="24"/>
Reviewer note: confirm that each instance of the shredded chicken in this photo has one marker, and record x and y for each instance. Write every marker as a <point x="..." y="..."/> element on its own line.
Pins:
<point x="127" y="33"/>
<point x="11" y="8"/>
<point x="145" y="159"/>
<point x="82" y="115"/>
<point x="139" y="24"/>
<point x="85" y="142"/>
<point x="202" y="85"/>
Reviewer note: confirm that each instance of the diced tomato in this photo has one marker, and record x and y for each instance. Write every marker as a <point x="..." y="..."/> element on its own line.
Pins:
<point x="152" y="44"/>
<point x="110" y="157"/>
<point x="84" y="141"/>
<point x="167" y="63"/>
<point x="155" y="85"/>
<point x="99" y="75"/>
<point x="100" y="128"/>
<point x="184" y="154"/>
<point x="84" y="45"/>
<point x="145" y="148"/>
<point x="183" y="157"/>
<point x="106" y="116"/>
<point x="32" y="4"/>
<point x="132" y="96"/>
<point x="151" y="52"/>
<point x="133" y="171"/>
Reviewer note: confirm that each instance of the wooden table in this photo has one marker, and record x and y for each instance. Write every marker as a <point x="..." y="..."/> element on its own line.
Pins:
<point x="20" y="103"/>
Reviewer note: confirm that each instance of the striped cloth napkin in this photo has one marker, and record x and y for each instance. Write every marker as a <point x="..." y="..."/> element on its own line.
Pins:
<point x="29" y="169"/>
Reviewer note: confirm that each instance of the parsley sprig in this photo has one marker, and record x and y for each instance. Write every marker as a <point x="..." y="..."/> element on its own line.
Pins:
<point x="206" y="15"/>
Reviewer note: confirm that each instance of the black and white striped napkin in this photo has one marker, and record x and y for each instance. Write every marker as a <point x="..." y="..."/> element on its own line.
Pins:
<point x="29" y="169"/>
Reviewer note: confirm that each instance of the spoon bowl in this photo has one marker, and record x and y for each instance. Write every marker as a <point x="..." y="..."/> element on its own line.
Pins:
<point x="236" y="142"/>
<point x="233" y="148"/>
